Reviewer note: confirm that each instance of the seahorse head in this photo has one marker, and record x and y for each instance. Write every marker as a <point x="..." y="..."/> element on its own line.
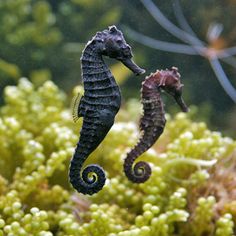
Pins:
<point x="111" y="43"/>
<point x="169" y="81"/>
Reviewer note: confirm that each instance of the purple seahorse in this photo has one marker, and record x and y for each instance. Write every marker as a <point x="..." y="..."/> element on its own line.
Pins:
<point x="153" y="121"/>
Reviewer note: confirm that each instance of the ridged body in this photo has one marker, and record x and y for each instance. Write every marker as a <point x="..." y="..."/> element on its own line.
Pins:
<point x="152" y="124"/>
<point x="98" y="107"/>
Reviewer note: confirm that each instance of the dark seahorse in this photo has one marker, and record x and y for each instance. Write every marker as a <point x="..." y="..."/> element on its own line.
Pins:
<point x="99" y="104"/>
<point x="153" y="121"/>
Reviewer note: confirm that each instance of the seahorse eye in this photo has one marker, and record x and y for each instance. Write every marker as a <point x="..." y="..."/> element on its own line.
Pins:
<point x="127" y="51"/>
<point x="119" y="41"/>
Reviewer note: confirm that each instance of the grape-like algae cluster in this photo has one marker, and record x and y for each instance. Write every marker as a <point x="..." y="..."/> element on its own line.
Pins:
<point x="37" y="140"/>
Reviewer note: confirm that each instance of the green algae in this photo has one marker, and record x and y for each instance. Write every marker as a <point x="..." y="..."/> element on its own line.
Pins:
<point x="37" y="139"/>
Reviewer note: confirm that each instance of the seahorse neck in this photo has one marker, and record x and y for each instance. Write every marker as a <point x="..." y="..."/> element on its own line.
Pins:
<point x="150" y="90"/>
<point x="92" y="63"/>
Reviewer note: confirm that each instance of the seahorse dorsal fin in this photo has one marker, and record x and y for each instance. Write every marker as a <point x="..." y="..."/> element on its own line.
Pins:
<point x="75" y="106"/>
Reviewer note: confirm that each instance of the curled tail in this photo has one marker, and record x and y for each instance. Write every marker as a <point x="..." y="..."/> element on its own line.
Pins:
<point x="138" y="172"/>
<point x="141" y="171"/>
<point x="89" y="180"/>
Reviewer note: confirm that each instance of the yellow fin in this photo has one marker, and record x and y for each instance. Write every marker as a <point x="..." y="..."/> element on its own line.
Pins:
<point x="75" y="106"/>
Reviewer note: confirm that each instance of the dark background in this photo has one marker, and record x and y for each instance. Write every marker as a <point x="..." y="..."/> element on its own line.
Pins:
<point x="43" y="40"/>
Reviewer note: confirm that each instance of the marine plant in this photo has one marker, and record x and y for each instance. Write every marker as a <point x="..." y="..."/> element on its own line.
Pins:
<point x="37" y="140"/>
<point x="192" y="45"/>
<point x="35" y="35"/>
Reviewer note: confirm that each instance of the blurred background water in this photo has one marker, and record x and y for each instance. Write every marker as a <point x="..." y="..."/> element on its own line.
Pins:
<point x="43" y="40"/>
